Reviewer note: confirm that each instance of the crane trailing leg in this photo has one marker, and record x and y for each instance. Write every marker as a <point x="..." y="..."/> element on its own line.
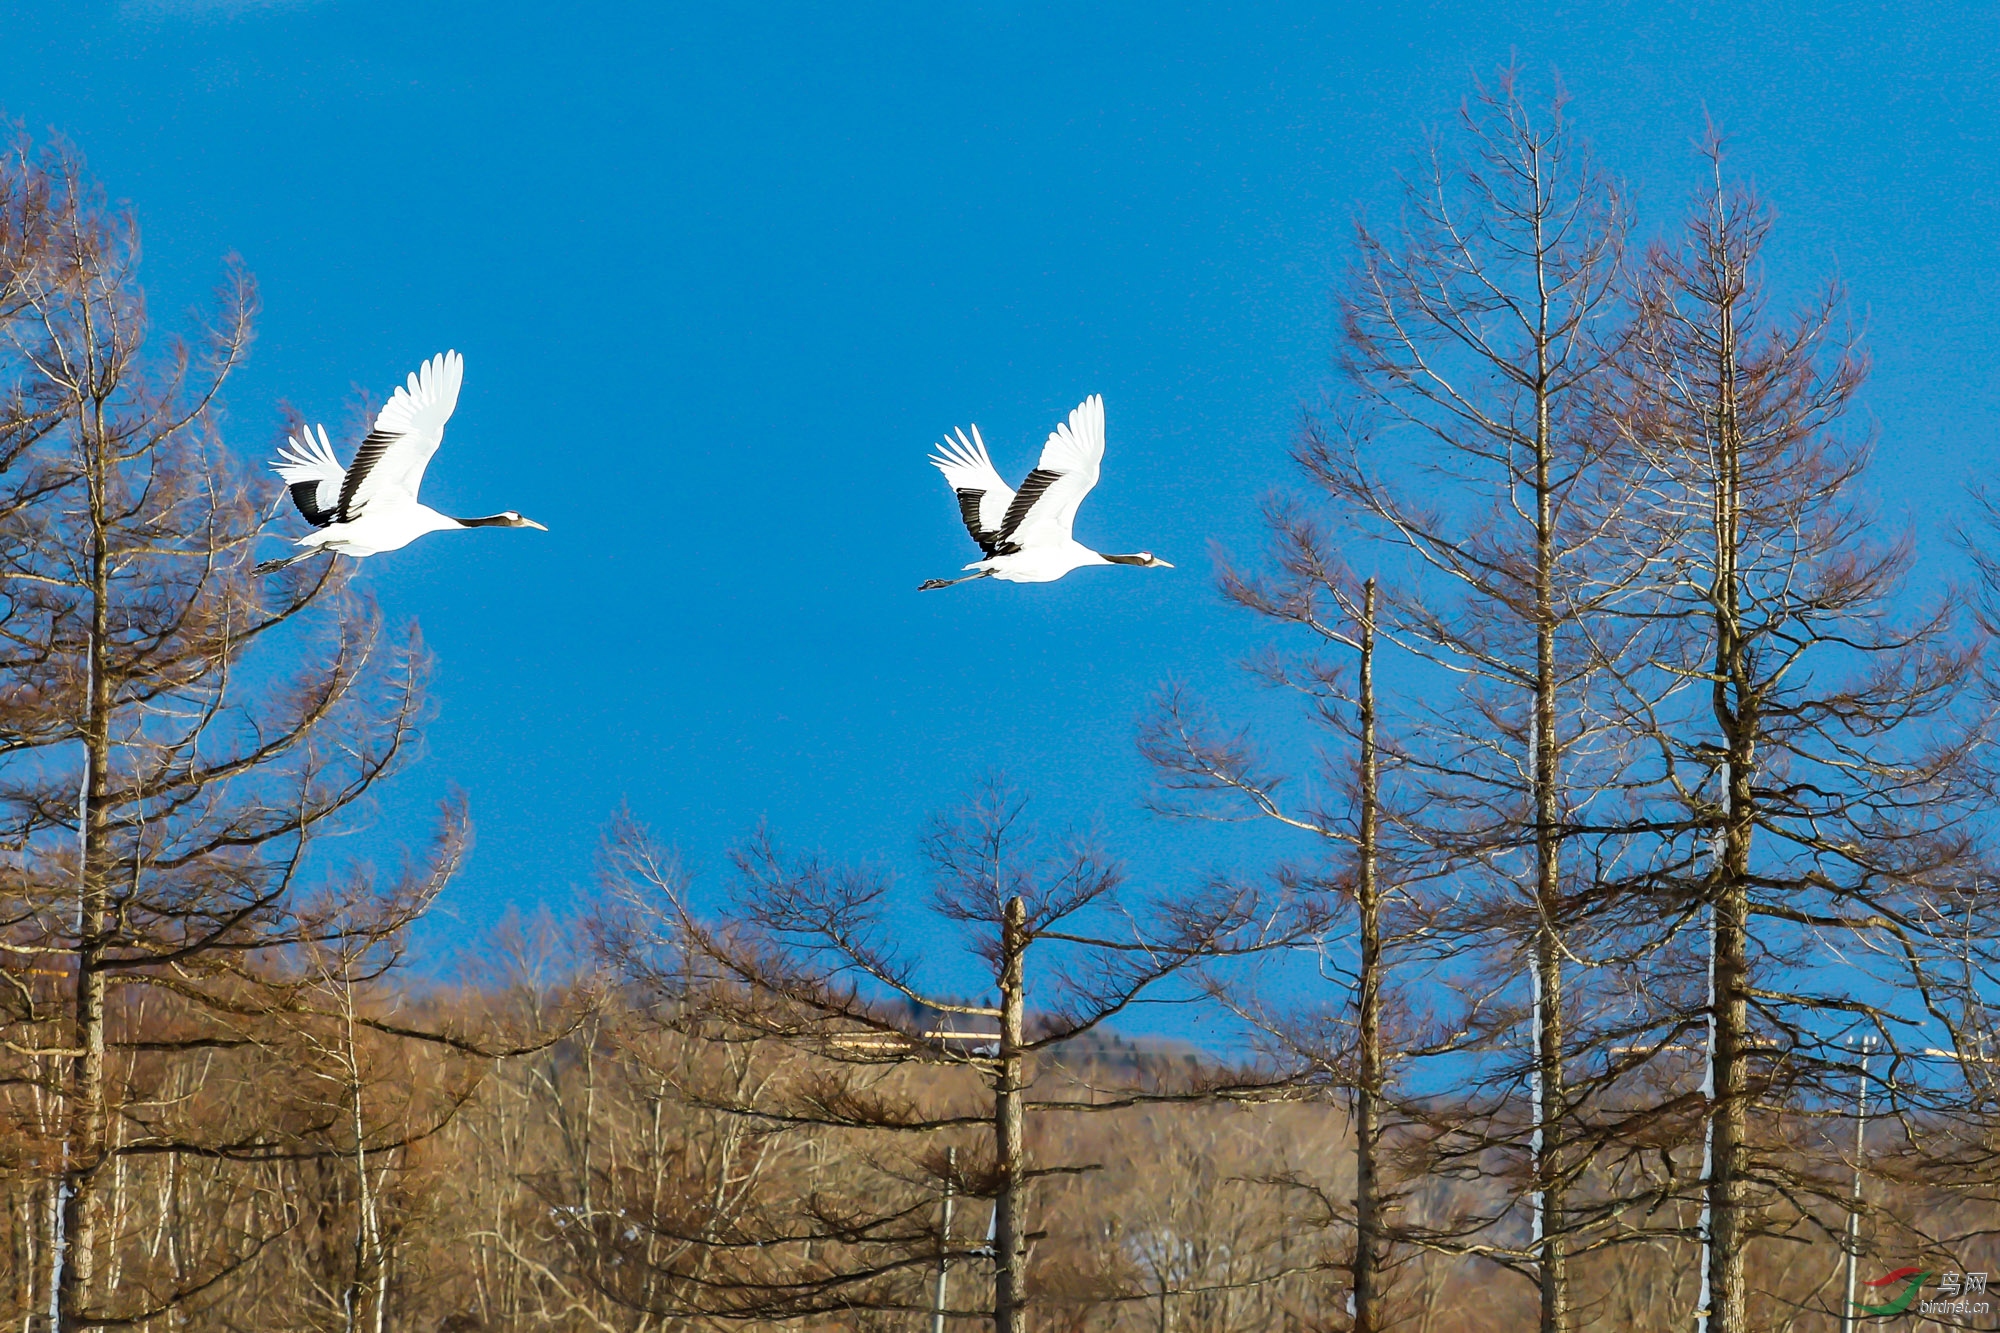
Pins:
<point x="273" y="566"/>
<point x="929" y="584"/>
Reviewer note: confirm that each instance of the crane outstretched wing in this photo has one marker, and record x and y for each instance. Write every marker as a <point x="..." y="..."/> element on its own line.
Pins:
<point x="983" y="498"/>
<point x="407" y="432"/>
<point x="313" y="474"/>
<point x="1044" y="509"/>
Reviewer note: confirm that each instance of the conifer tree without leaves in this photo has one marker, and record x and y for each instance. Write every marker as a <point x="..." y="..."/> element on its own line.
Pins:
<point x="175" y="731"/>
<point x="1349" y="911"/>
<point x="1816" y="767"/>
<point x="806" y="955"/>
<point x="1475" y="344"/>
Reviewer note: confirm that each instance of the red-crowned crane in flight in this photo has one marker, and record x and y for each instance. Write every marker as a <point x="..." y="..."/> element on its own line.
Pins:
<point x="370" y="505"/>
<point x="1024" y="535"/>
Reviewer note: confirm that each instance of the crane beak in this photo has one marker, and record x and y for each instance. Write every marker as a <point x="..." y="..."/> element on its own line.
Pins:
<point x="1163" y="564"/>
<point x="530" y="523"/>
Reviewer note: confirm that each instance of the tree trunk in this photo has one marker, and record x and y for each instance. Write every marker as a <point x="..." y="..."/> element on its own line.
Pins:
<point x="1010" y="1221"/>
<point x="1552" y="1253"/>
<point x="1728" y="1110"/>
<point x="88" y="1116"/>
<point x="1736" y="716"/>
<point x="1552" y="1240"/>
<point x="1368" y="1085"/>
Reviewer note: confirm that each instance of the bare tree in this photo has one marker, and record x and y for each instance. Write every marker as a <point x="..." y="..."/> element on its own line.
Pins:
<point x="1819" y="833"/>
<point x="175" y="731"/>
<point x="1206" y="773"/>
<point x="1476" y="346"/>
<point x="804" y="954"/>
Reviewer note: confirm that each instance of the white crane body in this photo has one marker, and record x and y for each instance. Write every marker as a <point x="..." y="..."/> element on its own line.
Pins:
<point x="1039" y="564"/>
<point x="385" y="527"/>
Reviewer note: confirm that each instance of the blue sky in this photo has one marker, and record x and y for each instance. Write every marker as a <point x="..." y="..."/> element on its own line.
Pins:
<point x="723" y="273"/>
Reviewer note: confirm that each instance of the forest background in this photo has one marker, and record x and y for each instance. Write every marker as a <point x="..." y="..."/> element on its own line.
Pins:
<point x="711" y="750"/>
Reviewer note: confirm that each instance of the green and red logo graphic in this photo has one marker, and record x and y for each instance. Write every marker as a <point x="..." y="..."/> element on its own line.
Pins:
<point x="1916" y="1278"/>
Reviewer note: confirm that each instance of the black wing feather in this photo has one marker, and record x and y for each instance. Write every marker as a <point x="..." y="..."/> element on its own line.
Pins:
<point x="1031" y="490"/>
<point x="365" y="458"/>
<point x="990" y="542"/>
<point x="305" y="494"/>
